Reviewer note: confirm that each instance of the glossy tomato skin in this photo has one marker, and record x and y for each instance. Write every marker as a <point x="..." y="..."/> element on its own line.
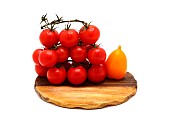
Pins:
<point x="48" y="38"/>
<point x="77" y="75"/>
<point x="41" y="70"/>
<point x="78" y="53"/>
<point x="62" y="53"/>
<point x="97" y="73"/>
<point x="89" y="35"/>
<point x="56" y="75"/>
<point x="96" y="56"/>
<point x="48" y="58"/>
<point x="68" y="38"/>
<point x="35" y="55"/>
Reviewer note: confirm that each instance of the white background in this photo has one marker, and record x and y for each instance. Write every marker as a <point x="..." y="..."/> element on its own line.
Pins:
<point x="141" y="27"/>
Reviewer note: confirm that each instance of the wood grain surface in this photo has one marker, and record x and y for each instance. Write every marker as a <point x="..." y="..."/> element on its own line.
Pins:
<point x="89" y="95"/>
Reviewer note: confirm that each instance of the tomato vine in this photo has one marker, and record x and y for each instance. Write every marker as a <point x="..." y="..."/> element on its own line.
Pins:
<point x="51" y="25"/>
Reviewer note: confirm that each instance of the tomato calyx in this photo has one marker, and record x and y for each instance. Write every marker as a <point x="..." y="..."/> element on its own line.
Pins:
<point x="94" y="46"/>
<point x="54" y="47"/>
<point x="67" y="27"/>
<point x="80" y="43"/>
<point x="86" y="26"/>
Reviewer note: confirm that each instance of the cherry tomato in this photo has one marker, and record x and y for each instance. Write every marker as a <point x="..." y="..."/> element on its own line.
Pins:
<point x="77" y="75"/>
<point x="78" y="53"/>
<point x="48" y="58"/>
<point x="89" y="35"/>
<point x="68" y="38"/>
<point x="35" y="55"/>
<point x="41" y="70"/>
<point x="48" y="38"/>
<point x="96" y="56"/>
<point x="62" y="53"/>
<point x="96" y="73"/>
<point x="56" y="75"/>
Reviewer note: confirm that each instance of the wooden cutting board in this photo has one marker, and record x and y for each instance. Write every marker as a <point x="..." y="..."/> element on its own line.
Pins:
<point x="89" y="95"/>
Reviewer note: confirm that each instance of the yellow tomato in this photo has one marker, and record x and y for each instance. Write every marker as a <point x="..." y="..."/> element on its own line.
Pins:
<point x="116" y="64"/>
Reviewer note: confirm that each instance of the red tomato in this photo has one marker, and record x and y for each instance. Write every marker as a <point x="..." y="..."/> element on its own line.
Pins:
<point x="40" y="70"/>
<point x="77" y="75"/>
<point x="48" y="58"/>
<point x="48" y="38"/>
<point x="96" y="56"/>
<point x="62" y="53"/>
<point x="89" y="35"/>
<point x="96" y="73"/>
<point x="56" y="75"/>
<point x="35" y="55"/>
<point x="68" y="38"/>
<point x="78" y="53"/>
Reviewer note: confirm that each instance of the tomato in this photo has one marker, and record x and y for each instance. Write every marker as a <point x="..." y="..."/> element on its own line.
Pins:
<point x="78" y="53"/>
<point x="89" y="35"/>
<point x="116" y="64"/>
<point x="56" y="75"/>
<point x="48" y="58"/>
<point x="35" y="55"/>
<point x="40" y="70"/>
<point x="62" y="53"/>
<point x="96" y="56"/>
<point x="77" y="75"/>
<point x="96" y="73"/>
<point x="48" y="38"/>
<point x="68" y="38"/>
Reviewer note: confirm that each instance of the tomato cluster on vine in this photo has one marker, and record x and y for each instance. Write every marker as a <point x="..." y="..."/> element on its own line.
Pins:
<point x="69" y="55"/>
